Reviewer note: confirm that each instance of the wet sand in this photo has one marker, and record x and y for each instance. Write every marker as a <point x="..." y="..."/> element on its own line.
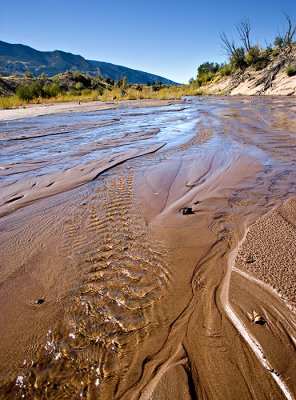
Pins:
<point x="35" y="110"/>
<point x="109" y="291"/>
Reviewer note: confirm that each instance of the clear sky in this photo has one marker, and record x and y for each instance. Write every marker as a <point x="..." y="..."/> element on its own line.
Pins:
<point x="165" y="37"/>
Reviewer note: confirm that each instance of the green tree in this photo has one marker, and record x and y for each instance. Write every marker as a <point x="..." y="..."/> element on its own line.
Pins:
<point x="23" y="92"/>
<point x="237" y="60"/>
<point x="208" y="67"/>
<point x="36" y="90"/>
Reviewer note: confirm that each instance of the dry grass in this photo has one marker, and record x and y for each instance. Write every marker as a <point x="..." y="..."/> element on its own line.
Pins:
<point x="11" y="102"/>
<point x="171" y="92"/>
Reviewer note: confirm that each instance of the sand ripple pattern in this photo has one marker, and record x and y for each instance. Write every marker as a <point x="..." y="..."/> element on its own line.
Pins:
<point x="123" y="274"/>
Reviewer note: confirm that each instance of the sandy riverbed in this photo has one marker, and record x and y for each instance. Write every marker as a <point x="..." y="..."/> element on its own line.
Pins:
<point x="109" y="291"/>
<point x="35" y="110"/>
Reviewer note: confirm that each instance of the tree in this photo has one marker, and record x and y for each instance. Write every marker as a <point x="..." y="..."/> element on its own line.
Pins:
<point x="286" y="39"/>
<point x="237" y="59"/>
<point x="235" y="54"/>
<point x="290" y="31"/>
<point x="207" y="67"/>
<point x="244" y="29"/>
<point x="24" y="93"/>
<point x="228" y="45"/>
<point x="36" y="90"/>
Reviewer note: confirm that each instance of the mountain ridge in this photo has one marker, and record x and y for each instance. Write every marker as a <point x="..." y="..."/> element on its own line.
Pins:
<point x="20" y="58"/>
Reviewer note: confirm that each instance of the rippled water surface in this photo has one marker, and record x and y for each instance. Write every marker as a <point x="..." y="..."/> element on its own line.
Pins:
<point x="120" y="279"/>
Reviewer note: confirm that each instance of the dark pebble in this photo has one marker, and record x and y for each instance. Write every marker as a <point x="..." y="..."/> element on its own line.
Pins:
<point x="39" y="301"/>
<point x="186" y="211"/>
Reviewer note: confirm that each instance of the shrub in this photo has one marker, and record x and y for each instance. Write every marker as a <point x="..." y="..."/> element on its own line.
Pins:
<point x="29" y="74"/>
<point x="36" y="90"/>
<point x="79" y="85"/>
<point x="74" y="92"/>
<point x="276" y="51"/>
<point x="291" y="70"/>
<point x="86" y="92"/>
<point x="100" y="90"/>
<point x="51" y="91"/>
<point x="253" y="55"/>
<point x="225" y="70"/>
<point x="24" y="93"/>
<point x="279" y="42"/>
<point x="11" y="102"/>
<point x="237" y="60"/>
<point x="207" y="67"/>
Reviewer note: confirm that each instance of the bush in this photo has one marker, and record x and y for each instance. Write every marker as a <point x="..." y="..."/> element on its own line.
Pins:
<point x="225" y="70"/>
<point x="36" y="90"/>
<point x="86" y="92"/>
<point x="257" y="57"/>
<point x="279" y="42"/>
<point x="207" y="67"/>
<point x="51" y="91"/>
<point x="29" y="74"/>
<point x="291" y="70"/>
<point x="253" y="55"/>
<point x="74" y="92"/>
<point x="237" y="60"/>
<point x="79" y="86"/>
<point x="100" y="90"/>
<point x="276" y="51"/>
<point x="24" y="93"/>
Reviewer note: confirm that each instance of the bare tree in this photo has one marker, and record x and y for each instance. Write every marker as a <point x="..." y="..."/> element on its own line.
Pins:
<point x="244" y="29"/>
<point x="290" y="31"/>
<point x="228" y="45"/>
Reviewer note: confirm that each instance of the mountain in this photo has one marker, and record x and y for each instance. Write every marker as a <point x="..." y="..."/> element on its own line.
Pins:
<point x="17" y="59"/>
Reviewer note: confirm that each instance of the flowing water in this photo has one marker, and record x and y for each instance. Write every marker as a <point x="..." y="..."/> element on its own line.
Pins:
<point x="108" y="291"/>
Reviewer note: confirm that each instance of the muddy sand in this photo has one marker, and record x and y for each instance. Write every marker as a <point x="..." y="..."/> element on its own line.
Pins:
<point x="149" y="252"/>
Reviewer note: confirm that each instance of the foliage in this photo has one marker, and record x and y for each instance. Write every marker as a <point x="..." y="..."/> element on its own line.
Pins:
<point x="131" y="93"/>
<point x="279" y="42"/>
<point x="36" y="90"/>
<point x="29" y="74"/>
<point x="208" y="67"/>
<point x="23" y="92"/>
<point x="237" y="59"/>
<point x="11" y="102"/>
<point x="225" y="70"/>
<point x="51" y="91"/>
<point x="291" y="70"/>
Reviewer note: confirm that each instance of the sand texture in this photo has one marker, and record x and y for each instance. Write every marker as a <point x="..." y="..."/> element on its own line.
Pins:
<point x="148" y="253"/>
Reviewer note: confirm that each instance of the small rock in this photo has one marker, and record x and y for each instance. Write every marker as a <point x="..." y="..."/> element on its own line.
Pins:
<point x="258" y="319"/>
<point x="250" y="260"/>
<point x="39" y="301"/>
<point x="186" y="211"/>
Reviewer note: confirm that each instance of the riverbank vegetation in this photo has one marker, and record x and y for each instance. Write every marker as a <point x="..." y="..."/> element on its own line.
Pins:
<point x="76" y="86"/>
<point x="247" y="54"/>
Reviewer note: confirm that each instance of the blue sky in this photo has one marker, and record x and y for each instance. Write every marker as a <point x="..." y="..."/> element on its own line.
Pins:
<point x="166" y="37"/>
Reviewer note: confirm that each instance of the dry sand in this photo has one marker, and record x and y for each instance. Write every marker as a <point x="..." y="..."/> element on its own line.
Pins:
<point x="34" y="110"/>
<point x="108" y="291"/>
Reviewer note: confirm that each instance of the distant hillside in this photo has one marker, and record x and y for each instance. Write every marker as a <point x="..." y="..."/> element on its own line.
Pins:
<point x="17" y="59"/>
